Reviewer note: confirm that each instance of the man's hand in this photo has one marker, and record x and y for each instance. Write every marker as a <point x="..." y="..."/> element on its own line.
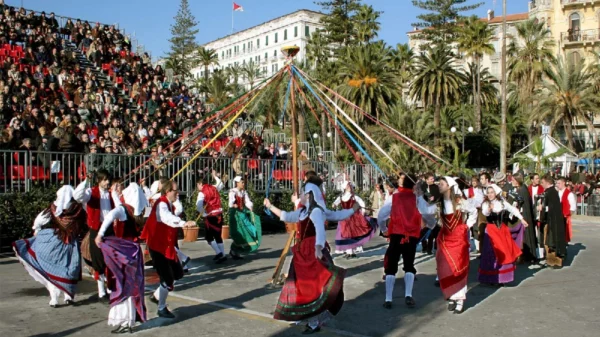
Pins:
<point x="98" y="239"/>
<point x="319" y="252"/>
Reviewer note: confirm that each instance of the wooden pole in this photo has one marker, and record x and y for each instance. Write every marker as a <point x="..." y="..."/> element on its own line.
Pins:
<point x="294" y="138"/>
<point x="503" y="140"/>
<point x="286" y="249"/>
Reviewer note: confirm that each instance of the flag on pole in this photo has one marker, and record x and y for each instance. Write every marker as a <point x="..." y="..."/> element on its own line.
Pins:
<point x="237" y="8"/>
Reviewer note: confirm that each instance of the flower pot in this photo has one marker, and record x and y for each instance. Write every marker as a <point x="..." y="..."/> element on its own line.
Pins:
<point x="225" y="232"/>
<point x="290" y="227"/>
<point x="190" y="234"/>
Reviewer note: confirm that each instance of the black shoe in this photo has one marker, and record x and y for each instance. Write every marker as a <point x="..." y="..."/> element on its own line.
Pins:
<point x="410" y="302"/>
<point x="104" y="299"/>
<point x="122" y="329"/>
<point x="69" y="302"/>
<point x="187" y="260"/>
<point x="310" y="331"/>
<point x="387" y="305"/>
<point x="54" y="306"/>
<point x="451" y="305"/>
<point x="153" y="299"/>
<point x="218" y="257"/>
<point x="436" y="283"/>
<point x="222" y="259"/>
<point x="429" y="252"/>
<point x="351" y="256"/>
<point x="236" y="257"/>
<point x="165" y="313"/>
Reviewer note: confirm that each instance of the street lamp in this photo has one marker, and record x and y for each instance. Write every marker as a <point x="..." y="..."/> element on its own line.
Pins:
<point x="469" y="130"/>
<point x="315" y="136"/>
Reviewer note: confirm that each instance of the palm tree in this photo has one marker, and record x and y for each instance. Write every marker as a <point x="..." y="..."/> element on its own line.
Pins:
<point x="218" y="88"/>
<point x="567" y="97"/>
<point x="251" y="71"/>
<point x="369" y="79"/>
<point x="436" y="83"/>
<point x="403" y="60"/>
<point x="317" y="50"/>
<point x="535" y="159"/>
<point x="367" y="24"/>
<point x="531" y="55"/>
<point x="206" y="58"/>
<point x="487" y="92"/>
<point x="475" y="39"/>
<point x="175" y="64"/>
<point x="233" y="73"/>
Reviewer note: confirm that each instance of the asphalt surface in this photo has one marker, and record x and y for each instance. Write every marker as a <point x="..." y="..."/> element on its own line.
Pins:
<point x="234" y="299"/>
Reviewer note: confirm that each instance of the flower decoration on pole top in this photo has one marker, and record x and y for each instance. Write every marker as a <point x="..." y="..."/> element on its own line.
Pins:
<point x="290" y="52"/>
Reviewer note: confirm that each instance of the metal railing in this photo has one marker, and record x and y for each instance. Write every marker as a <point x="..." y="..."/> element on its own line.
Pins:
<point x="589" y="205"/>
<point x="22" y="170"/>
<point x="574" y="2"/>
<point x="581" y="35"/>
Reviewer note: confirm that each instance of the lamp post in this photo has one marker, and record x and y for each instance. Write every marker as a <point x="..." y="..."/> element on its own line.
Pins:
<point x="469" y="129"/>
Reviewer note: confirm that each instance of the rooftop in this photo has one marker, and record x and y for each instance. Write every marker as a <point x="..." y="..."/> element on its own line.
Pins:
<point x="265" y="23"/>
<point x="495" y="19"/>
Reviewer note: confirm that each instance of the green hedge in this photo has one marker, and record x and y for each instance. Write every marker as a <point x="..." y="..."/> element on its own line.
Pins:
<point x="18" y="210"/>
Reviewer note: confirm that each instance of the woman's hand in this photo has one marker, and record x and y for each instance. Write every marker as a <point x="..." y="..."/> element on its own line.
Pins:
<point x="524" y="223"/>
<point x="98" y="240"/>
<point x="267" y="203"/>
<point x="319" y="252"/>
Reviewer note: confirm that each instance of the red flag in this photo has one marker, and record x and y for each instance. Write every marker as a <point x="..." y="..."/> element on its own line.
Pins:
<point x="237" y="8"/>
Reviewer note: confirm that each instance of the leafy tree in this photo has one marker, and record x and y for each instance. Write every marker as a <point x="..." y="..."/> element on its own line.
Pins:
<point x="339" y="20"/>
<point x="207" y="57"/>
<point x="366" y="23"/>
<point x="438" y="24"/>
<point x="251" y="71"/>
<point x="183" y="40"/>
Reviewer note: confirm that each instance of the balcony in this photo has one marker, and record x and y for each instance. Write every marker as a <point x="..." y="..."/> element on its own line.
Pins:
<point x="273" y="59"/>
<point x="537" y="5"/>
<point x="575" y="3"/>
<point x="580" y="37"/>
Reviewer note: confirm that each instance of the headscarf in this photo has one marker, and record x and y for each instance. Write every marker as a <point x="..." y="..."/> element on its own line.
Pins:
<point x="134" y="196"/>
<point x="63" y="199"/>
<point x="317" y="194"/>
<point x="453" y="185"/>
<point x="496" y="189"/>
<point x="345" y="184"/>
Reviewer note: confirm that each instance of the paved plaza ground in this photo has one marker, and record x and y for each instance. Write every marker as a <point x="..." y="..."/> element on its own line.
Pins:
<point x="234" y="299"/>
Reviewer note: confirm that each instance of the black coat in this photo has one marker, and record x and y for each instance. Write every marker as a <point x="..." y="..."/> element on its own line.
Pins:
<point x="529" y="240"/>
<point x="552" y="217"/>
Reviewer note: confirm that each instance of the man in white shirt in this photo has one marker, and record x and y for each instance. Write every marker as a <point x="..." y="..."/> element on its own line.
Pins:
<point x="98" y="202"/>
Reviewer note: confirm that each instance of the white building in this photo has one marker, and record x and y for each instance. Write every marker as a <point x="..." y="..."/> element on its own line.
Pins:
<point x="262" y="44"/>
<point x="492" y="62"/>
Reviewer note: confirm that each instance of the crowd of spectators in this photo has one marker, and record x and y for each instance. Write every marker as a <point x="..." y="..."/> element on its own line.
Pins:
<point x="48" y="102"/>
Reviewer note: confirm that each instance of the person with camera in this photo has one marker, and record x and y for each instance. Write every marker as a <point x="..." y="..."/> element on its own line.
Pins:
<point x="499" y="251"/>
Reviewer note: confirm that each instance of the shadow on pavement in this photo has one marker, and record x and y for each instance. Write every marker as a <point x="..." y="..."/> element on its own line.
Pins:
<point x="67" y="332"/>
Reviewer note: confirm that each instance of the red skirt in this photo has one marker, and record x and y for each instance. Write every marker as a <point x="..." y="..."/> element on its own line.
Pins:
<point x="312" y="286"/>
<point x="452" y="259"/>
<point x="354" y="227"/>
<point x="505" y="248"/>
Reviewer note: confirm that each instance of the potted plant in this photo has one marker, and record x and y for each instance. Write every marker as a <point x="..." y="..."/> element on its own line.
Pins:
<point x="190" y="234"/>
<point x="225" y="232"/>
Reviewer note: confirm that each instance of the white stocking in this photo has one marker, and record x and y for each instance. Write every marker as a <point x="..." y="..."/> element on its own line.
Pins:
<point x="215" y="247"/>
<point x="221" y="248"/>
<point x="409" y="280"/>
<point x="389" y="287"/>
<point x="162" y="297"/>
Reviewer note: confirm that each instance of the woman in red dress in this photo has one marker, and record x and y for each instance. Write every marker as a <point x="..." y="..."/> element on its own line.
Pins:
<point x="452" y="256"/>
<point x="313" y="289"/>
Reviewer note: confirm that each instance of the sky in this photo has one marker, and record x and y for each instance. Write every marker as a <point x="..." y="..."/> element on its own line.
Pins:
<point x="150" y="20"/>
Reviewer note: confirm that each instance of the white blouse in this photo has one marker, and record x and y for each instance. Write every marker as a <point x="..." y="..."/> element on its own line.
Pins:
<point x="316" y="216"/>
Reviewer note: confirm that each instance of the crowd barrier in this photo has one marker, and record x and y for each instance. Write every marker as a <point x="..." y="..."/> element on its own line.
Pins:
<point x="22" y="170"/>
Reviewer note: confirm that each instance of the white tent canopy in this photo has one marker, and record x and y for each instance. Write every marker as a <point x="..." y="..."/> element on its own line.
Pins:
<point x="550" y="146"/>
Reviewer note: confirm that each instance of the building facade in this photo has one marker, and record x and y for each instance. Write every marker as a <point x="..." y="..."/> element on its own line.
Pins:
<point x="575" y="25"/>
<point x="262" y="44"/>
<point x="492" y="62"/>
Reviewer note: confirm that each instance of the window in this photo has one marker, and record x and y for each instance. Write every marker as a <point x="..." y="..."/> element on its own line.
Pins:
<point x="275" y="53"/>
<point x="250" y="46"/>
<point x="244" y="47"/>
<point x="284" y="34"/>
<point x="275" y="37"/>
<point x="264" y="70"/>
<point x="307" y="31"/>
<point x="222" y="55"/>
<point x="575" y="27"/>
<point x="574" y="58"/>
<point x="266" y="40"/>
<point x="257" y="43"/>
<point x="495" y="68"/>
<point x="266" y="56"/>
<point x="296" y="31"/>
<point x="257" y="58"/>
<point x="250" y="60"/>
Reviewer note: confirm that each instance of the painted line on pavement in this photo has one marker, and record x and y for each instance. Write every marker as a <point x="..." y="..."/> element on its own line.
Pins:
<point x="251" y="314"/>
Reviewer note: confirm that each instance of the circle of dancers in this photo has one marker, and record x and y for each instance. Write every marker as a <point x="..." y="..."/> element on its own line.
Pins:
<point x="505" y="223"/>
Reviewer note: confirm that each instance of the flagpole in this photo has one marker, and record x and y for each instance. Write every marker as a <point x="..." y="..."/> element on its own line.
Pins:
<point x="232" y="19"/>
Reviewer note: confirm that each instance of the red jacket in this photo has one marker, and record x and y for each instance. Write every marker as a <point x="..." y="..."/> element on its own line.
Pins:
<point x="160" y="237"/>
<point x="566" y="207"/>
<point x="93" y="209"/>
<point x="405" y="218"/>
<point x="212" y="200"/>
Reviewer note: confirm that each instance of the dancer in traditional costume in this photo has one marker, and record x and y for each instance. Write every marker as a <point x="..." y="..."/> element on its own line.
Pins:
<point x="313" y="289"/>
<point x="208" y="204"/>
<point x="403" y="231"/>
<point x="475" y="196"/>
<point x="160" y="233"/>
<point x="536" y="191"/>
<point x="97" y="202"/>
<point x="431" y="195"/>
<point x="499" y="250"/>
<point x="452" y="257"/>
<point x="244" y="226"/>
<point x="553" y="224"/>
<point x="529" y="243"/>
<point x="52" y="256"/>
<point x="124" y="260"/>
<point x="569" y="206"/>
<point x="354" y="232"/>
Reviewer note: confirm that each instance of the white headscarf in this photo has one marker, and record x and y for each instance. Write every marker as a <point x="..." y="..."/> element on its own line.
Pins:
<point x="496" y="189"/>
<point x="134" y="196"/>
<point x="317" y="194"/>
<point x="63" y="199"/>
<point x="345" y="184"/>
<point x="452" y="184"/>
